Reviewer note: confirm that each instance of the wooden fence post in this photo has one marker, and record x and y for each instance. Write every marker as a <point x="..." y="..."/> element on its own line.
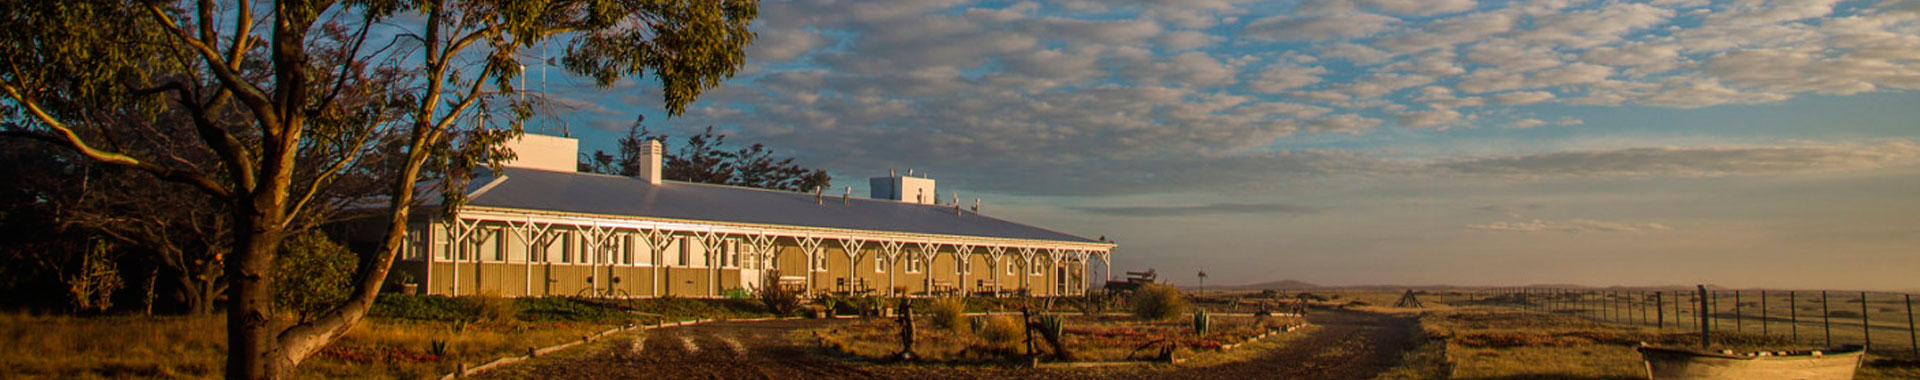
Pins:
<point x="1713" y="308"/>
<point x="1705" y="331"/>
<point x="1736" y="312"/>
<point x="1866" y="329"/>
<point x="1659" y="311"/>
<point x="1912" y="338"/>
<point x="1826" y="319"/>
<point x="1642" y="296"/>
<point x="1793" y="314"/>
<point x="1763" y="312"/>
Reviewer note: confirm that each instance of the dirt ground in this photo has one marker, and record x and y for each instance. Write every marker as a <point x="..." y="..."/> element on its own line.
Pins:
<point x="1347" y="345"/>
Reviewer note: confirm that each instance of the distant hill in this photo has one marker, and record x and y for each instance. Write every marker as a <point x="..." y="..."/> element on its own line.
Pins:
<point x="1275" y="285"/>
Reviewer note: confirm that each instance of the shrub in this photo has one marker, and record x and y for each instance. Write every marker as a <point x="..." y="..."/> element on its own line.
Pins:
<point x="1002" y="331"/>
<point x="491" y="306"/>
<point x="779" y="300"/>
<point x="949" y="313"/>
<point x="1158" y="302"/>
<point x="312" y="274"/>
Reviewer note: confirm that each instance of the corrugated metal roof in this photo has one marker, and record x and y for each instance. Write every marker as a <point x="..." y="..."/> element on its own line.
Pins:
<point x="531" y="189"/>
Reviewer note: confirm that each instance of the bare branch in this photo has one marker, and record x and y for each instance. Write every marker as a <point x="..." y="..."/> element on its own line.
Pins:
<point x="255" y="98"/>
<point x="68" y="138"/>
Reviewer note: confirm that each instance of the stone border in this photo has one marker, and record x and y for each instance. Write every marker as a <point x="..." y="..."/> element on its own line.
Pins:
<point x="461" y="370"/>
<point x="1256" y="338"/>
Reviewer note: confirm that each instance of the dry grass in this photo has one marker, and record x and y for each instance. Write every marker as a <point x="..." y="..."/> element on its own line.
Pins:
<point x="1498" y="343"/>
<point x="1102" y="338"/>
<point x="404" y="349"/>
<point x="195" y="347"/>
<point x="41" y="347"/>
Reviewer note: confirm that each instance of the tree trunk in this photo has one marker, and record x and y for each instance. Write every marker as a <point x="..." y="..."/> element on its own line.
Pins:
<point x="250" y="306"/>
<point x="198" y="294"/>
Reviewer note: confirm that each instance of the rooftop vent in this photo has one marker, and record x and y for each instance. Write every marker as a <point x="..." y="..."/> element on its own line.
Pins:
<point x="545" y="153"/>
<point x="907" y="188"/>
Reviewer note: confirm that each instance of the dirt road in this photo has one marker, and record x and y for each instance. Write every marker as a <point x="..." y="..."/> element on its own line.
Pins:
<point x="1346" y="346"/>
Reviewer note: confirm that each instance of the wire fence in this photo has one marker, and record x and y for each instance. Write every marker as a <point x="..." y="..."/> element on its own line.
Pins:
<point x="1876" y="320"/>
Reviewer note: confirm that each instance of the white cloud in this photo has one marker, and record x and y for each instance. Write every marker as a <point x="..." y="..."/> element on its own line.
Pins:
<point x="1280" y="78"/>
<point x="1526" y="123"/>
<point x="1319" y="27"/>
<point x="1575" y="226"/>
<point x="1522" y="97"/>
<point x="1689" y="162"/>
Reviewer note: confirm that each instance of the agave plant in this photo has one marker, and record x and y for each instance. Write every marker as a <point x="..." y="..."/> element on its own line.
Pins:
<point x="1201" y="322"/>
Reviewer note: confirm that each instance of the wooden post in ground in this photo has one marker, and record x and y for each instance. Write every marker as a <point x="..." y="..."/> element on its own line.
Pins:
<point x="1705" y="332"/>
<point x="1659" y="311"/>
<point x="1826" y="319"/>
<point x="1642" y="297"/>
<point x="1763" y="312"/>
<point x="1912" y="338"/>
<point x="1866" y="329"/>
<point x="1793" y="314"/>
<point x="1736" y="312"/>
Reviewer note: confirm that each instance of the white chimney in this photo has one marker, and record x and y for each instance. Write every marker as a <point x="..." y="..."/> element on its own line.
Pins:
<point x="543" y="152"/>
<point x="650" y="155"/>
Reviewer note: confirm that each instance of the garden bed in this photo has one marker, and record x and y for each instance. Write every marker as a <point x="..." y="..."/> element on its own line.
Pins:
<point x="1103" y="338"/>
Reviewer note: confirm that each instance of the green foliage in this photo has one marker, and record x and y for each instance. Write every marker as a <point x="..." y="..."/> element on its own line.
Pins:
<point x="779" y="300"/>
<point x="419" y="307"/>
<point x="1201" y="322"/>
<point x="569" y="309"/>
<point x="440" y="348"/>
<point x="312" y="275"/>
<point x="492" y="307"/>
<point x="1158" y="302"/>
<point x="1052" y="327"/>
<point x="949" y="313"/>
<point x="705" y="158"/>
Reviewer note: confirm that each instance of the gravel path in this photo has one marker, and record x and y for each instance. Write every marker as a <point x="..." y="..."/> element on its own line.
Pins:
<point x="1346" y="346"/>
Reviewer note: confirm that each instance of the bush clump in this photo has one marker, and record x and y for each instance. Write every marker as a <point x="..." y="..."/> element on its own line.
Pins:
<point x="1002" y="332"/>
<point x="492" y="307"/>
<point x="312" y="275"/>
<point x="779" y="300"/>
<point x="950" y="313"/>
<point x="1158" y="302"/>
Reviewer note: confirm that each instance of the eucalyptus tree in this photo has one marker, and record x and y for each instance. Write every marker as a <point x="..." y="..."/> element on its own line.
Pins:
<point x="289" y="98"/>
<point x="706" y="158"/>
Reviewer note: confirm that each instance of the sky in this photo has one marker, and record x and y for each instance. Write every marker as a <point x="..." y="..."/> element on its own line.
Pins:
<point x="1741" y="143"/>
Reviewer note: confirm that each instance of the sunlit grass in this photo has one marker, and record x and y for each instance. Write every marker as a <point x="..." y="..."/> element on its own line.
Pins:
<point x="473" y="331"/>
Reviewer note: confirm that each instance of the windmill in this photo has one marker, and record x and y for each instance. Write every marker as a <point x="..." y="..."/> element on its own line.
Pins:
<point x="1203" y="281"/>
<point x="1408" y="300"/>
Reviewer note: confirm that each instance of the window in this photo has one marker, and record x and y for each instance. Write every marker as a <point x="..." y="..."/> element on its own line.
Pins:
<point x="915" y="264"/>
<point x="497" y="239"/>
<point x="1033" y="267"/>
<point x="879" y="264"/>
<point x="563" y="245"/>
<point x="747" y="257"/>
<point x="820" y="262"/>
<point x="686" y="251"/>
<point x="1010" y="268"/>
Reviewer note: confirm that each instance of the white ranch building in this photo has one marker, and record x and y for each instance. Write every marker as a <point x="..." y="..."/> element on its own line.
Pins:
<point x="541" y="228"/>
